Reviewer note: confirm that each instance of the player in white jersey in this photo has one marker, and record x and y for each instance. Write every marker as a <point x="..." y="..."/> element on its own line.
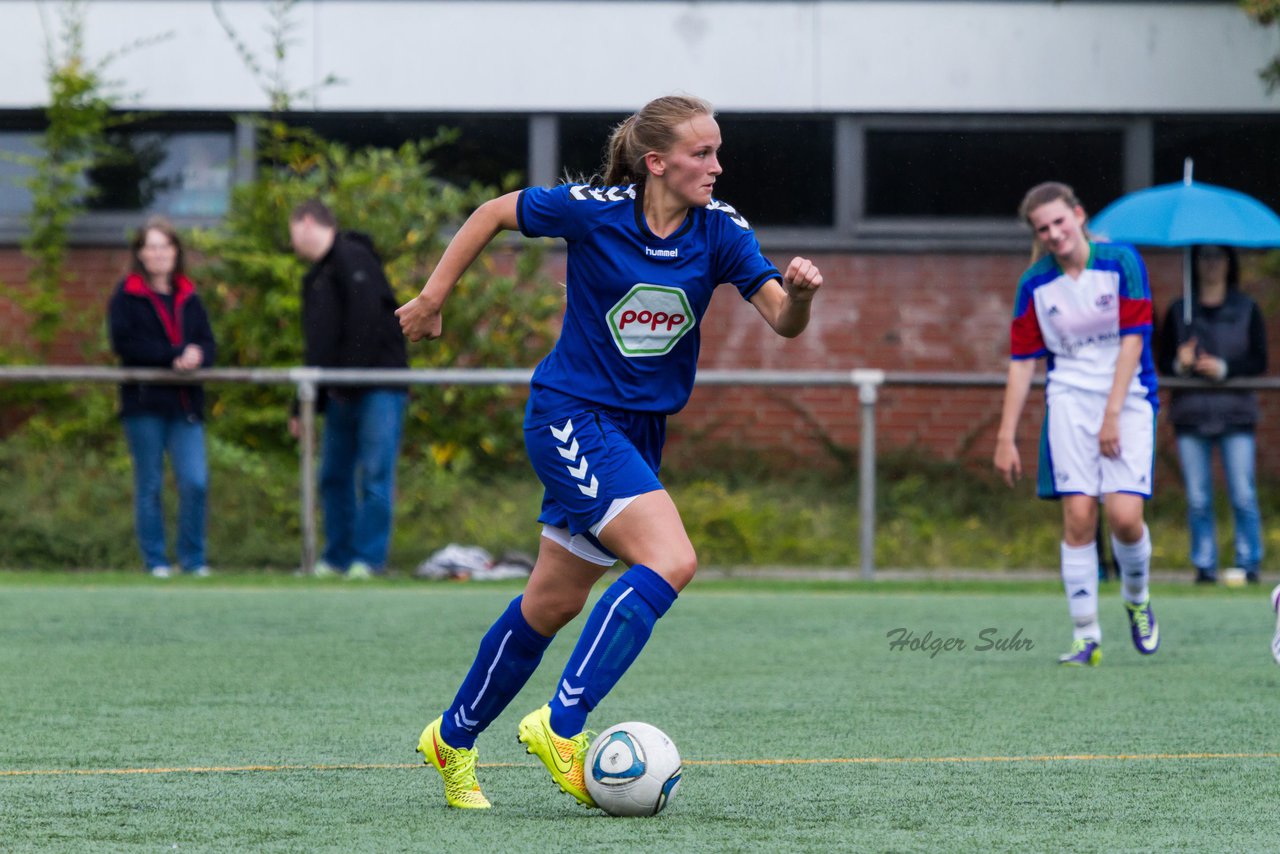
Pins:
<point x="645" y="250"/>
<point x="1086" y="308"/>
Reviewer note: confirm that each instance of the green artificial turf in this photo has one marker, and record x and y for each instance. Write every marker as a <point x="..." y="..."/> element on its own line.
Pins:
<point x="277" y="714"/>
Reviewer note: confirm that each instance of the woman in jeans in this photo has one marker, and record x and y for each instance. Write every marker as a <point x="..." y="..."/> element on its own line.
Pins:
<point x="1226" y="338"/>
<point x="157" y="321"/>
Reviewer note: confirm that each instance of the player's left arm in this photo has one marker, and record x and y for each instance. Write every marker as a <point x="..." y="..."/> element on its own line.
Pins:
<point x="785" y="305"/>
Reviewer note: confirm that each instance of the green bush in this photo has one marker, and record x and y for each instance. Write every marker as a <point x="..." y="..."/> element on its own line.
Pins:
<point x="503" y="313"/>
<point x="68" y="504"/>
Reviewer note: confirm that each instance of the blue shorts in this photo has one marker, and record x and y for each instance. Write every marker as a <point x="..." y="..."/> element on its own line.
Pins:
<point x="588" y="458"/>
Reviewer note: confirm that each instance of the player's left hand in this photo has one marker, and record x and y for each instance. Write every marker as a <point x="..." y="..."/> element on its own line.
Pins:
<point x="802" y="279"/>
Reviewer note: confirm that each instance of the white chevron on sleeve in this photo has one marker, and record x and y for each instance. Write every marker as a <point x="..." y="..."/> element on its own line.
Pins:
<point x="564" y="432"/>
<point x="590" y="491"/>
<point x="571" y="452"/>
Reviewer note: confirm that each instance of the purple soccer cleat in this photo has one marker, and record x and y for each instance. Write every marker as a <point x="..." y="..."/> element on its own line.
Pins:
<point x="1142" y="625"/>
<point x="1084" y="652"/>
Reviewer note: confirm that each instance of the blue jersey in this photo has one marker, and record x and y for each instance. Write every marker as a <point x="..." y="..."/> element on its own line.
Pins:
<point x="634" y="300"/>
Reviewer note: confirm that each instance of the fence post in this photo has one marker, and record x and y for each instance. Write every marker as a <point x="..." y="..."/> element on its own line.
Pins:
<point x="307" y="393"/>
<point x="868" y="382"/>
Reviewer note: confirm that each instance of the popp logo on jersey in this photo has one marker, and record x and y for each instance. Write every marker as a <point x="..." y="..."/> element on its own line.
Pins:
<point x="649" y="320"/>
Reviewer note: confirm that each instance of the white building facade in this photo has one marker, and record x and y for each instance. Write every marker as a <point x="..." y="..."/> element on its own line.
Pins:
<point x="894" y="123"/>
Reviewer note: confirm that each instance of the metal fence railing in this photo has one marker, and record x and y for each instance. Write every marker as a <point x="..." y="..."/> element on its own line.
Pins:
<point x="307" y="381"/>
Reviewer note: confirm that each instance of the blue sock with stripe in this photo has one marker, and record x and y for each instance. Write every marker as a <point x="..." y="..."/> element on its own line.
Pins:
<point x="616" y="631"/>
<point x="509" y="653"/>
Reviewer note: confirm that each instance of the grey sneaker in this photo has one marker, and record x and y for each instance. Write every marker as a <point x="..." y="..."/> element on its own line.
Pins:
<point x="160" y="571"/>
<point x="323" y="569"/>
<point x="359" y="571"/>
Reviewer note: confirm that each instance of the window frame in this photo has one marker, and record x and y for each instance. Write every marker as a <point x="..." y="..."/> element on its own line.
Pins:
<point x="859" y="231"/>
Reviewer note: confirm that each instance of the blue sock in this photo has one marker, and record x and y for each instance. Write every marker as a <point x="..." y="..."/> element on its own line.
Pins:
<point x="616" y="631"/>
<point x="509" y="653"/>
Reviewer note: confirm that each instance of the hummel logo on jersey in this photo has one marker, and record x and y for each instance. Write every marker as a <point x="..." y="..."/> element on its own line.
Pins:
<point x="568" y="450"/>
<point x="583" y="193"/>
<point x="662" y="253"/>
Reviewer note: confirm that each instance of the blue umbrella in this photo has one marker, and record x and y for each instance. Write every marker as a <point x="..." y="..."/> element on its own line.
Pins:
<point x="1185" y="214"/>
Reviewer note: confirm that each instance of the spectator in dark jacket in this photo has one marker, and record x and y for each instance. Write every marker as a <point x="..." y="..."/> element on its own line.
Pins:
<point x="157" y="321"/>
<point x="349" y="321"/>
<point x="1226" y="338"/>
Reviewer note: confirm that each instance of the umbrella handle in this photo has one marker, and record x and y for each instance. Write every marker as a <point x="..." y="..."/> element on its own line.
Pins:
<point x="1187" y="301"/>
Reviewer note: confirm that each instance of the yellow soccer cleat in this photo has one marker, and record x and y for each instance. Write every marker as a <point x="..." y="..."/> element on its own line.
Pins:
<point x="456" y="766"/>
<point x="565" y="758"/>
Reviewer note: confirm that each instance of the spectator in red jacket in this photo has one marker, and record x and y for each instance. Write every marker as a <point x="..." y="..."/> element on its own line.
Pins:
<point x="156" y="320"/>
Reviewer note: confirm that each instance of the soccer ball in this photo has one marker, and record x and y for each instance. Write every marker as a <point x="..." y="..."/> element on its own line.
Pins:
<point x="633" y="769"/>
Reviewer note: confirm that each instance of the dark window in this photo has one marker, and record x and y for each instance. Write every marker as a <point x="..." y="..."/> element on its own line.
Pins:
<point x="779" y="171"/>
<point x="1243" y="154"/>
<point x="180" y="173"/>
<point x="15" y="198"/>
<point x="985" y="173"/>
<point x="487" y="149"/>
<point x="582" y="144"/>
<point x="177" y="173"/>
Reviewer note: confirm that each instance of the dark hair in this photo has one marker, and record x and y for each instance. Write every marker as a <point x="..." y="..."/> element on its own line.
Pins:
<point x="162" y="225"/>
<point x="1233" y="267"/>
<point x="317" y="210"/>
<point x="1043" y="194"/>
<point x="654" y="127"/>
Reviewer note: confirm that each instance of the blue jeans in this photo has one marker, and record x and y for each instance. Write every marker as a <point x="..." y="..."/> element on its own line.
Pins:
<point x="358" y="474"/>
<point x="150" y="437"/>
<point x="1237" y="450"/>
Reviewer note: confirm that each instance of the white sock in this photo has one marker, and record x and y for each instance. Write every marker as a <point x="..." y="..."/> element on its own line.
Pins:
<point x="1080" y="581"/>
<point x="1135" y="566"/>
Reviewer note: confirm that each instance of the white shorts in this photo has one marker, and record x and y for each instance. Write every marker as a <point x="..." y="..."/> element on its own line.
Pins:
<point x="1070" y="461"/>
<point x="585" y="545"/>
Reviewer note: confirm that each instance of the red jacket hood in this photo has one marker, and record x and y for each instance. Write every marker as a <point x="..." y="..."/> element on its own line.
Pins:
<point x="135" y="285"/>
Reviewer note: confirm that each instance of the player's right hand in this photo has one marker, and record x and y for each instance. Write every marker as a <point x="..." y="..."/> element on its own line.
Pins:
<point x="418" y="320"/>
<point x="1008" y="462"/>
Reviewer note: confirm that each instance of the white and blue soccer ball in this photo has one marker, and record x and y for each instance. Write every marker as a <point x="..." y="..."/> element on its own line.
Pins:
<point x="633" y="769"/>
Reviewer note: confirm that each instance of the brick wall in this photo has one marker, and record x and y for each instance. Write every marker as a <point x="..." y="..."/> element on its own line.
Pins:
<point x="938" y="312"/>
<point x="93" y="274"/>
<point x="898" y="312"/>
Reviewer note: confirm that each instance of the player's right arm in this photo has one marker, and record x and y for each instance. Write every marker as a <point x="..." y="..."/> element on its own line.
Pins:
<point x="420" y="317"/>
<point x="1007" y="461"/>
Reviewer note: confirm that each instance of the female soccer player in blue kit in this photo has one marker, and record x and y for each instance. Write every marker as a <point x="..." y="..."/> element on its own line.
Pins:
<point x="1086" y="307"/>
<point x="646" y="248"/>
